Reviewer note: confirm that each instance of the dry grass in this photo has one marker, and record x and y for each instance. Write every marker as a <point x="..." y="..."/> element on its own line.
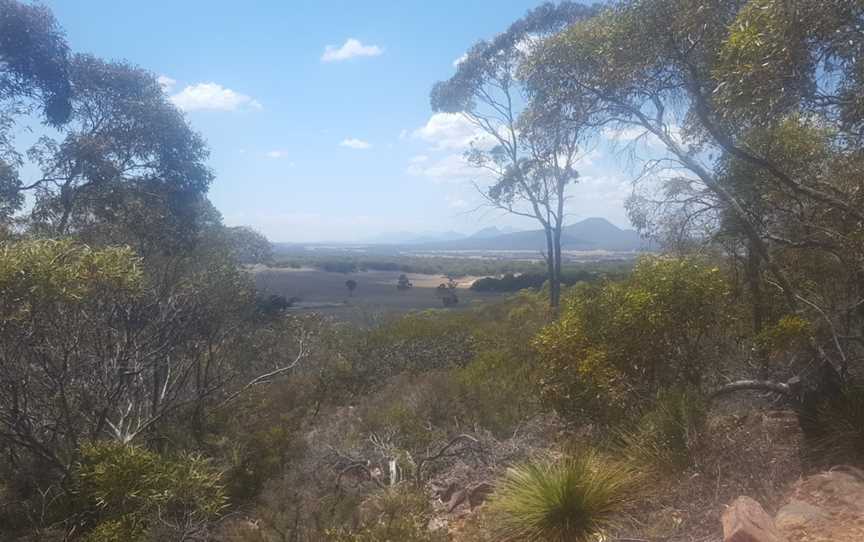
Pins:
<point x="752" y="452"/>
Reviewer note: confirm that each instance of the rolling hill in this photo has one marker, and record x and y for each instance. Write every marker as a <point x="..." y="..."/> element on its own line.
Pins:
<point x="588" y="234"/>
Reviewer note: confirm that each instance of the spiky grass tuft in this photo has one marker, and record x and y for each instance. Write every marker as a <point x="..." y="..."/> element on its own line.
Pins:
<point x="837" y="429"/>
<point x="667" y="435"/>
<point x="572" y="500"/>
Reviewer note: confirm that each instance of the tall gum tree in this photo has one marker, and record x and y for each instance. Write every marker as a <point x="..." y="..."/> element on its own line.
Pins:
<point x="529" y="148"/>
<point x="724" y="71"/>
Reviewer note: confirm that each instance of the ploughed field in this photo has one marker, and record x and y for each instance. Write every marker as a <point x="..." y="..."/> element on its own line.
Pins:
<point x="325" y="292"/>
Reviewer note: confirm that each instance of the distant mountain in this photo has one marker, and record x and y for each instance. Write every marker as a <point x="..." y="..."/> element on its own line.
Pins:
<point x="601" y="232"/>
<point x="588" y="234"/>
<point x="491" y="231"/>
<point x="414" y="238"/>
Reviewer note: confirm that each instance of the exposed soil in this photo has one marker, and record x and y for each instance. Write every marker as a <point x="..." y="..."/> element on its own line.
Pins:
<point x="752" y="452"/>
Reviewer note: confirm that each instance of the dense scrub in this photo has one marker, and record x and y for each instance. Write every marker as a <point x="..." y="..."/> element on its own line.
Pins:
<point x="148" y="392"/>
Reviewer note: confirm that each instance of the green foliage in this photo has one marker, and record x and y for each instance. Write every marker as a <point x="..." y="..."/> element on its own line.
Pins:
<point x="790" y="331"/>
<point x="131" y="488"/>
<point x="394" y="514"/>
<point x="667" y="435"/>
<point x="573" y="499"/>
<point x="837" y="429"/>
<point x="618" y="343"/>
<point x="248" y="246"/>
<point x="39" y="276"/>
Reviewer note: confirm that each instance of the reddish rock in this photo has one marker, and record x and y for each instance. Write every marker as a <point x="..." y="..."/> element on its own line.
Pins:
<point x="746" y="521"/>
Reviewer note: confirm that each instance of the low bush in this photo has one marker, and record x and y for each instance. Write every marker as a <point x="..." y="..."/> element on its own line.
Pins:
<point x="573" y="500"/>
<point x="399" y="513"/>
<point x="835" y="431"/>
<point x="132" y="490"/>
<point x="667" y="435"/>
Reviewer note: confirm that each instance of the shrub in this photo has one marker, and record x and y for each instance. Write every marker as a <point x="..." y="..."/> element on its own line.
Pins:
<point x="130" y="487"/>
<point x="573" y="499"/>
<point x="398" y="513"/>
<point x="836" y="430"/>
<point x="790" y="332"/>
<point x="621" y="341"/>
<point x="667" y="435"/>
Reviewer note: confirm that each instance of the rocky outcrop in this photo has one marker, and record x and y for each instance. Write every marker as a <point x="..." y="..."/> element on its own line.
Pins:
<point x="746" y="521"/>
<point x="825" y="507"/>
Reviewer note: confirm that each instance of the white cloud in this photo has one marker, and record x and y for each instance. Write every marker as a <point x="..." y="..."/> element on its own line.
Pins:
<point x="350" y="49"/>
<point x="455" y="202"/>
<point x="166" y="83"/>
<point x="452" y="168"/>
<point x="278" y="153"/>
<point x="354" y="143"/>
<point x="212" y="96"/>
<point x="404" y="134"/>
<point x="451" y="131"/>
<point x="460" y="60"/>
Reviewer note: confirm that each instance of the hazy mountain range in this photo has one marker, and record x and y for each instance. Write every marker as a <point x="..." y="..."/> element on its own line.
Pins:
<point x="588" y="234"/>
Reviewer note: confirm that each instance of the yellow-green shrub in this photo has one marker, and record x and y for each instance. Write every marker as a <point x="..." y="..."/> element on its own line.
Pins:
<point x="619" y="343"/>
<point x="399" y="513"/>
<point x="129" y="487"/>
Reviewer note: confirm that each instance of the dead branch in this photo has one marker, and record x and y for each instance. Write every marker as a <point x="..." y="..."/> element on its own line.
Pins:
<point x="780" y="388"/>
<point x="441" y="453"/>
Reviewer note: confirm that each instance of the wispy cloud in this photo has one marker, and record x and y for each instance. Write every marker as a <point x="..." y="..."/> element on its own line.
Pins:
<point x="354" y="143"/>
<point x="451" y="131"/>
<point x="214" y="97"/>
<point x="455" y="202"/>
<point x="350" y="49"/>
<point x="452" y="168"/>
<point x="275" y="154"/>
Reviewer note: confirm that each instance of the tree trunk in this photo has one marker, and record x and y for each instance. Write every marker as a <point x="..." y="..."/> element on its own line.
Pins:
<point x="754" y="285"/>
<point x="550" y="269"/>
<point x="555" y="282"/>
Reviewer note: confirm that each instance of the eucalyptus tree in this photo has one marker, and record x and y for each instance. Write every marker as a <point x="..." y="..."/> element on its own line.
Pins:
<point x="529" y="148"/>
<point x="759" y="102"/>
<point x="34" y="64"/>
<point x="126" y="154"/>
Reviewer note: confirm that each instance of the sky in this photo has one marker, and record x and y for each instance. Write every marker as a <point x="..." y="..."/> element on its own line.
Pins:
<point x="317" y="113"/>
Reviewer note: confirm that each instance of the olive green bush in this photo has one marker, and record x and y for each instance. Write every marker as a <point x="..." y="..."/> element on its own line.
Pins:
<point x="570" y="500"/>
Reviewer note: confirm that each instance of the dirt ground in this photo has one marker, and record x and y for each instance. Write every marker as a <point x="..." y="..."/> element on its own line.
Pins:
<point x="751" y="451"/>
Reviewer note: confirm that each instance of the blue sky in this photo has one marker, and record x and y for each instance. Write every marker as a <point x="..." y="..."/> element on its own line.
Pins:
<point x="317" y="113"/>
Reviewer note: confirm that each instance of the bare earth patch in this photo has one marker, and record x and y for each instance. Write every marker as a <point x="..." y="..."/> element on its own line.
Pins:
<point x="753" y="453"/>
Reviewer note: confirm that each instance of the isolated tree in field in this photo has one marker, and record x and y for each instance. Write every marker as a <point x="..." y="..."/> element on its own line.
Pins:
<point x="529" y="147"/>
<point x="447" y="293"/>
<point x="403" y="283"/>
<point x="351" y="284"/>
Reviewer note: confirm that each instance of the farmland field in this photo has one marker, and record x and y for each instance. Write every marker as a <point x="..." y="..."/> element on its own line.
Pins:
<point x="325" y="292"/>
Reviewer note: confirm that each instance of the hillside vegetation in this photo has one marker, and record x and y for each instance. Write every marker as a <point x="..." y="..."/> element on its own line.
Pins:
<point x="149" y="391"/>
